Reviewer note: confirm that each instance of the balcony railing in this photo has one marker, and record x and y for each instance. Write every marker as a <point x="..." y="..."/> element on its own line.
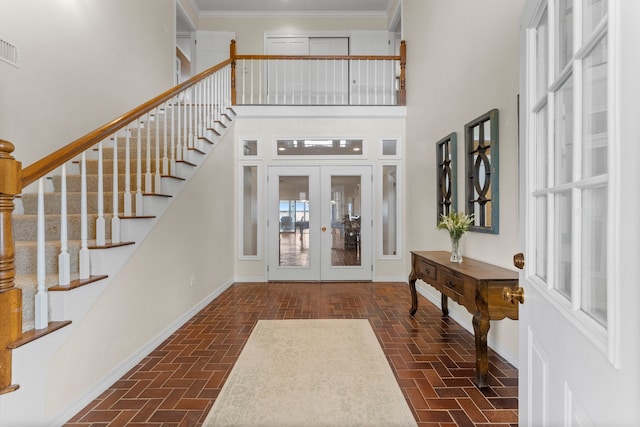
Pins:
<point x="318" y="80"/>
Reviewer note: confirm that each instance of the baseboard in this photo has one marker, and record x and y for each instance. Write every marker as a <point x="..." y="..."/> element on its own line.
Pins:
<point x="464" y="320"/>
<point x="117" y="373"/>
<point x="392" y="279"/>
<point x="256" y="279"/>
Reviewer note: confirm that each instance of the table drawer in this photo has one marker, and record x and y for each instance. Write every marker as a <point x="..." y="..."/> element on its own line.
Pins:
<point x="425" y="270"/>
<point x="452" y="282"/>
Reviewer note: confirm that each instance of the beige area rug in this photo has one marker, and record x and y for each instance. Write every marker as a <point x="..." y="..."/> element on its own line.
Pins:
<point x="311" y="373"/>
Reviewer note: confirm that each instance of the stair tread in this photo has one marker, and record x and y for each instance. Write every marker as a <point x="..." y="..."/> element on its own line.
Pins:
<point x="34" y="334"/>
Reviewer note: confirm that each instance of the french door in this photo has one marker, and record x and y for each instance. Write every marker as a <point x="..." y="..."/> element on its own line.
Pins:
<point x="319" y="223"/>
<point x="578" y="358"/>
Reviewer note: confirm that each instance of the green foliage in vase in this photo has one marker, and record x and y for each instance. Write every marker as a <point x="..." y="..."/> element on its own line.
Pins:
<point x="457" y="223"/>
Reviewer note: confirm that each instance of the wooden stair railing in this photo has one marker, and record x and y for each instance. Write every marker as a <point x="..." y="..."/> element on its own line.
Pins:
<point x="14" y="178"/>
<point x="401" y="59"/>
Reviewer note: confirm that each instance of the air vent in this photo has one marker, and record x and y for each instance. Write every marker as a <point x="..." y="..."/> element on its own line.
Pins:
<point x="9" y="53"/>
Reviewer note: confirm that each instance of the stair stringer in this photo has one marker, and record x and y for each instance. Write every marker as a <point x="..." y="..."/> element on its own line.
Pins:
<point x="56" y="383"/>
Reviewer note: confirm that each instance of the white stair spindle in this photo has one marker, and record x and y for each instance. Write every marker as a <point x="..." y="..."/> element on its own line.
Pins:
<point x="172" y="160"/>
<point x="260" y="83"/>
<point x="139" y="168"/>
<point x="177" y="130"/>
<point x="84" y="259"/>
<point x="185" y="131"/>
<point x="252" y="78"/>
<point x="157" y="183"/>
<point x="165" y="158"/>
<point x="64" y="260"/>
<point x="100" y="226"/>
<point x="41" y="299"/>
<point x="128" y="211"/>
<point x="115" y="219"/>
<point x="147" y="176"/>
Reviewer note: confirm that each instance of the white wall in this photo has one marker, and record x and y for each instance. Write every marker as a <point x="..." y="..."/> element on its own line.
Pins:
<point x="250" y="30"/>
<point x="82" y="63"/>
<point x="322" y="122"/>
<point x="148" y="299"/>
<point x="462" y="61"/>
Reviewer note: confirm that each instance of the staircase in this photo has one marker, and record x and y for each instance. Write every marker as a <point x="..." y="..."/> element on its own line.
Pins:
<point x="146" y="205"/>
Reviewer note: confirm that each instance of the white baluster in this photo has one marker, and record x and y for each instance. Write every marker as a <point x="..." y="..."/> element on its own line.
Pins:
<point x="185" y="131"/>
<point x="189" y="119"/>
<point x="147" y="176"/>
<point x="84" y="259"/>
<point x="128" y="211"/>
<point x="139" y="209"/>
<point x="100" y="226"/>
<point x="178" y="131"/>
<point x="157" y="183"/>
<point x="115" y="219"/>
<point x="333" y="82"/>
<point x="260" y="83"/>
<point x="326" y="81"/>
<point x="172" y="162"/>
<point x="41" y="299"/>
<point x="64" y="261"/>
<point x="165" y="158"/>
<point x="244" y="79"/>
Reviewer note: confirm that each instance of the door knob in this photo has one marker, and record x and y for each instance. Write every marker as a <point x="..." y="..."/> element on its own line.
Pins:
<point x="324" y="229"/>
<point x="513" y="294"/>
<point x="518" y="260"/>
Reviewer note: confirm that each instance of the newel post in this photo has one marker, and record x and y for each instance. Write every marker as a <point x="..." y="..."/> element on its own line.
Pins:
<point x="232" y="56"/>
<point x="10" y="296"/>
<point x="402" y="95"/>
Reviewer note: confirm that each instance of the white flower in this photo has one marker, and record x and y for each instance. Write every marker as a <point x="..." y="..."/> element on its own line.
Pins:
<point x="457" y="223"/>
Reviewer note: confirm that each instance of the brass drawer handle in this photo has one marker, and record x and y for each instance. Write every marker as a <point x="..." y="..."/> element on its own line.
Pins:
<point x="513" y="294"/>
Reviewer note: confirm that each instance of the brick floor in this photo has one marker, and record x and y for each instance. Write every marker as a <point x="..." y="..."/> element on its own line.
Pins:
<point x="432" y="357"/>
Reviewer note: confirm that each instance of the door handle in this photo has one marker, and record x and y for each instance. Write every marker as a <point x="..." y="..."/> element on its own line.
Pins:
<point x="324" y="229"/>
<point x="513" y="294"/>
<point x="518" y="260"/>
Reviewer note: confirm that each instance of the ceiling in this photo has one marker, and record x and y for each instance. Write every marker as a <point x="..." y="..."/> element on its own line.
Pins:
<point x="292" y="6"/>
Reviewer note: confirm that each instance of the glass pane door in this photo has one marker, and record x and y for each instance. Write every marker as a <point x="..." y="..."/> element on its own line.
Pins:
<point x="346" y="223"/>
<point x="293" y="237"/>
<point x="319" y="223"/>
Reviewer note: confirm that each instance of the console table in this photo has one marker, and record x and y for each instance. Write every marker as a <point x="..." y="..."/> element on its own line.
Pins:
<point x="473" y="284"/>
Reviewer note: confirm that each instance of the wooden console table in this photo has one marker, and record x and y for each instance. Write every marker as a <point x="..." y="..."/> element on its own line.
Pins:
<point x="473" y="284"/>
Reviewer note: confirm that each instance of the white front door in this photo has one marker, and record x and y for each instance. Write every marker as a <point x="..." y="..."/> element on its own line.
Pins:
<point x="578" y="334"/>
<point x="319" y="223"/>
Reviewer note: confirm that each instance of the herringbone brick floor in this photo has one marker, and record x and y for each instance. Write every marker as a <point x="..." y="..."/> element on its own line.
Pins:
<point x="432" y="357"/>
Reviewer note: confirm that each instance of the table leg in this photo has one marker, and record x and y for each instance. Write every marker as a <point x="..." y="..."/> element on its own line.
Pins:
<point x="444" y="305"/>
<point x="481" y="330"/>
<point x="414" y="297"/>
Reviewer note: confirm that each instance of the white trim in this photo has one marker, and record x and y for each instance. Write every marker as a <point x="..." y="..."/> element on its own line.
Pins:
<point x="377" y="191"/>
<point x="118" y="372"/>
<point x="399" y="152"/>
<point x="248" y="158"/>
<point x="292" y="14"/>
<point x="616" y="216"/>
<point x="240" y="211"/>
<point x="186" y="15"/>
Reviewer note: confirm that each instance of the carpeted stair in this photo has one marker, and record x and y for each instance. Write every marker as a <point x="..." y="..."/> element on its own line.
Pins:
<point x="25" y="217"/>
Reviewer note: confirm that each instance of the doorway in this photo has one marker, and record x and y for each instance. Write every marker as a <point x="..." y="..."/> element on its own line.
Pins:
<point x="319" y="223"/>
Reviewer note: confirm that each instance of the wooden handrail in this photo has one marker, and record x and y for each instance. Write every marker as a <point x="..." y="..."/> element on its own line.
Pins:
<point x="56" y="159"/>
<point x="321" y="57"/>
